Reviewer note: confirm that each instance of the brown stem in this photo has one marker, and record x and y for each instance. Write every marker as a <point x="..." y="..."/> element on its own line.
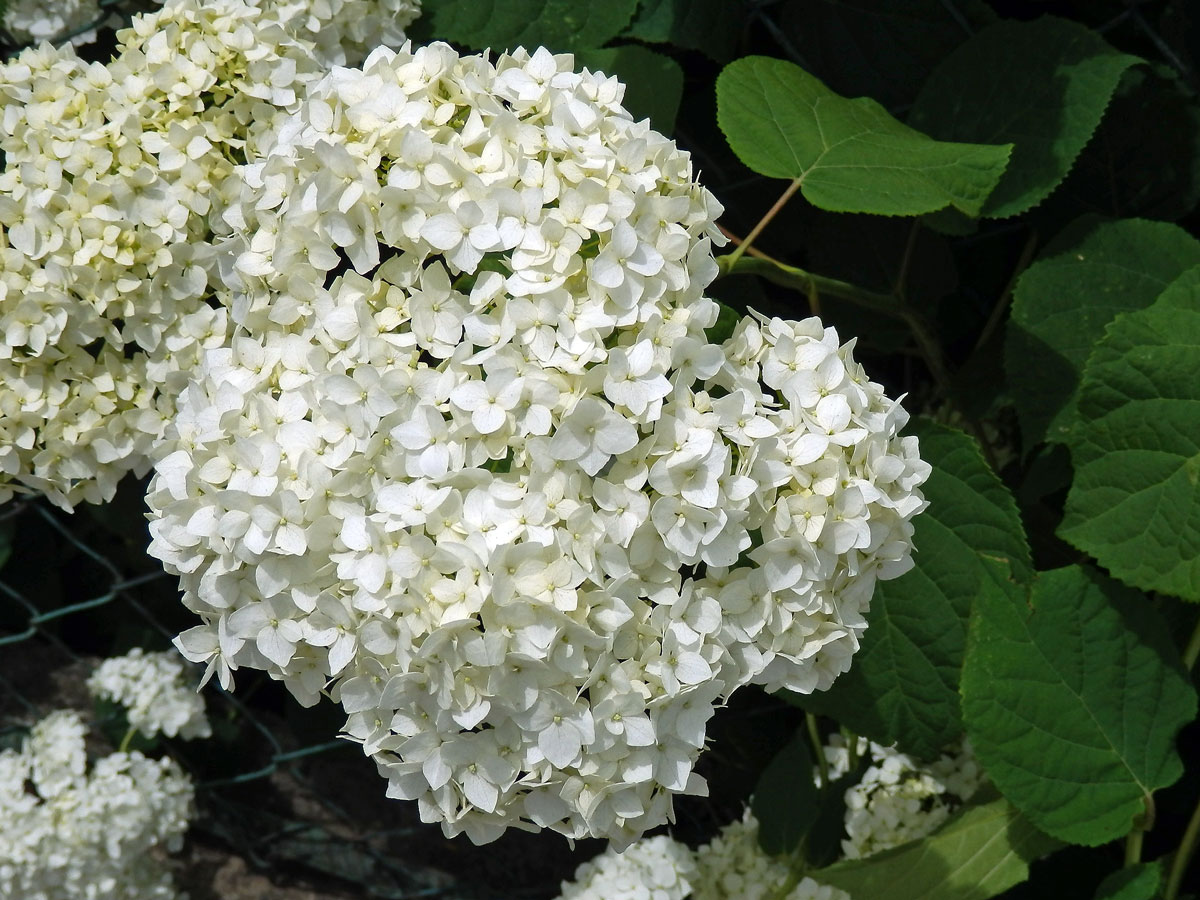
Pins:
<point x="766" y="220"/>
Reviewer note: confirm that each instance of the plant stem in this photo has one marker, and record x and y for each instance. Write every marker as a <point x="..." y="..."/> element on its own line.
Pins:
<point x="799" y="280"/>
<point x="1193" y="648"/>
<point x="818" y="748"/>
<point x="127" y="740"/>
<point x="1133" y="847"/>
<point x="998" y="310"/>
<point x="766" y="220"/>
<point x="1183" y="855"/>
<point x="851" y="749"/>
<point x="906" y="260"/>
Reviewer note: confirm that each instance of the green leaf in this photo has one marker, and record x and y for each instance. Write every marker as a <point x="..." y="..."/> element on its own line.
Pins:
<point x="508" y="24"/>
<point x="785" y="798"/>
<point x="1089" y="274"/>
<point x="1135" y="500"/>
<point x="981" y="852"/>
<point x="903" y="686"/>
<point x="653" y="81"/>
<point x="1042" y="85"/>
<point x="1137" y="882"/>
<point x="710" y="26"/>
<point x="1072" y="695"/>
<point x="879" y="48"/>
<point x="849" y="155"/>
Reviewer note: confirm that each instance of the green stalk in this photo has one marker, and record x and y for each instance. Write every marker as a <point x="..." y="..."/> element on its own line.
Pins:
<point x="127" y="740"/>
<point x="1183" y="855"/>
<point x="1193" y="648"/>
<point x="798" y="279"/>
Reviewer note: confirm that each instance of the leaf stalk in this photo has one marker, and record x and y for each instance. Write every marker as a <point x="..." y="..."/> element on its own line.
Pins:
<point x="766" y="220"/>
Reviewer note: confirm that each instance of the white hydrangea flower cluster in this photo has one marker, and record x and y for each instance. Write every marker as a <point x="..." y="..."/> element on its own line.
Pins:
<point x="657" y="868"/>
<point x="154" y="690"/>
<point x="734" y="867"/>
<point x="471" y="456"/>
<point x="345" y="31"/>
<point x="34" y="21"/>
<point x="110" y="191"/>
<point x="731" y="867"/>
<point x="78" y="834"/>
<point x="899" y="799"/>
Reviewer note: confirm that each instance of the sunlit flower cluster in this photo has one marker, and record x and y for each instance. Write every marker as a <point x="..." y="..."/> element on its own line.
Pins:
<point x="110" y="191"/>
<point x="69" y="831"/>
<point x="154" y="689"/>
<point x="470" y="463"/>
<point x="899" y="799"/>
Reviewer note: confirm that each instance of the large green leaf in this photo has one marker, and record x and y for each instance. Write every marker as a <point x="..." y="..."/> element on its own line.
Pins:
<point x="785" y="798"/>
<point x="508" y="24"/>
<point x="1042" y="85"/>
<point x="710" y="26"/>
<point x="1135" y="500"/>
<point x="879" y="48"/>
<point x="653" y="81"/>
<point x="849" y="155"/>
<point x="903" y="686"/>
<point x="980" y="853"/>
<point x="1072" y="695"/>
<point x="1089" y="274"/>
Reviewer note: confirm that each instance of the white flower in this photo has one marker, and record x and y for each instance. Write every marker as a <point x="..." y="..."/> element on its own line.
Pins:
<point x="899" y="799"/>
<point x="657" y="868"/>
<point x="154" y="690"/>
<point x="66" y="832"/>
<point x="537" y="548"/>
<point x="35" y="21"/>
<point x="112" y="205"/>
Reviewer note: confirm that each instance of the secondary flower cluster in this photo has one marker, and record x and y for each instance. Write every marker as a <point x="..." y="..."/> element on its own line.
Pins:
<point x="896" y="800"/>
<point x="153" y="689"/>
<point x="341" y="31"/>
<point x="731" y="867"/>
<point x="656" y="868"/>
<point x="899" y="799"/>
<point x="470" y="456"/>
<point x="67" y="833"/>
<point x="112" y="179"/>
<point x="34" y="21"/>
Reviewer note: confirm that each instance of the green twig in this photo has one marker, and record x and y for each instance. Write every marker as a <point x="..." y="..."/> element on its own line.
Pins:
<point x="765" y="220"/>
<point x="1193" y="648"/>
<point x="1133" y="847"/>
<point x="1002" y="304"/>
<point x="799" y="280"/>
<point x="128" y="739"/>
<point x="1183" y="856"/>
